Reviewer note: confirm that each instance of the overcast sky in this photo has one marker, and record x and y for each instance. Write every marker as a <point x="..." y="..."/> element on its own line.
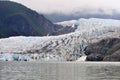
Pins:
<point x="68" y="6"/>
<point x="60" y="10"/>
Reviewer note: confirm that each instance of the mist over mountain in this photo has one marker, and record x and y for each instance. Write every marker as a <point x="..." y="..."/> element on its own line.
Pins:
<point x="59" y="17"/>
<point x="63" y="10"/>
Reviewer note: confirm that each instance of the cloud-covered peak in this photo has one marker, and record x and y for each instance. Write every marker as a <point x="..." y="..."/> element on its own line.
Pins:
<point x="74" y="9"/>
<point x="67" y="6"/>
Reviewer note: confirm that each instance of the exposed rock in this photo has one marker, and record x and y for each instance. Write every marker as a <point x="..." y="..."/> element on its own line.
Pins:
<point x="64" y="30"/>
<point x="105" y="50"/>
<point x="114" y="57"/>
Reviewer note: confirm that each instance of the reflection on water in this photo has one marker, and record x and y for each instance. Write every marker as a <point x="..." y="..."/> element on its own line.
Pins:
<point x="59" y="71"/>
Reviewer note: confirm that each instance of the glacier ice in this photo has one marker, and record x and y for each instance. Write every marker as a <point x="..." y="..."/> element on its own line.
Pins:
<point x="59" y="48"/>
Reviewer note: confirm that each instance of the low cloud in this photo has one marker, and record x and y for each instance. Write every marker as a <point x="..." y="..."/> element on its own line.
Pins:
<point x="85" y="13"/>
<point x="61" y="10"/>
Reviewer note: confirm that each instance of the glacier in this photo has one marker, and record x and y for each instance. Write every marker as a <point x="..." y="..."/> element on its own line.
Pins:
<point x="67" y="47"/>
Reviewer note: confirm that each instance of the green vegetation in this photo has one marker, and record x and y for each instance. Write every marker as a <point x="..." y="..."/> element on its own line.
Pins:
<point x="18" y="20"/>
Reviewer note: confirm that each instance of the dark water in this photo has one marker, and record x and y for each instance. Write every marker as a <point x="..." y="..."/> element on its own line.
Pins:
<point x="59" y="71"/>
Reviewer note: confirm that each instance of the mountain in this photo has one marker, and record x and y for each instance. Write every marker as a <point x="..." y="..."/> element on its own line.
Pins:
<point x="18" y="20"/>
<point x="66" y="47"/>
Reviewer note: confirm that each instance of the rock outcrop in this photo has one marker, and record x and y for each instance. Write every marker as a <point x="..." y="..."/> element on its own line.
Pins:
<point x="105" y="50"/>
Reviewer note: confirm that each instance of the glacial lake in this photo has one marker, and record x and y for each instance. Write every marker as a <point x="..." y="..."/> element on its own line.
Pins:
<point x="59" y="71"/>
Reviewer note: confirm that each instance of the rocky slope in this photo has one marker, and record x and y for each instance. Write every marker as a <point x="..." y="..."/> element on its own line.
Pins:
<point x="68" y="47"/>
<point x="105" y="50"/>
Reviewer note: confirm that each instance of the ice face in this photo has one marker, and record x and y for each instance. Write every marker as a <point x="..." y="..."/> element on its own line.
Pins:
<point x="28" y="57"/>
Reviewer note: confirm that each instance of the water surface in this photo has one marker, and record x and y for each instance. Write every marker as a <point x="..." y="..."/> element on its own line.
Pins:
<point x="60" y="71"/>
